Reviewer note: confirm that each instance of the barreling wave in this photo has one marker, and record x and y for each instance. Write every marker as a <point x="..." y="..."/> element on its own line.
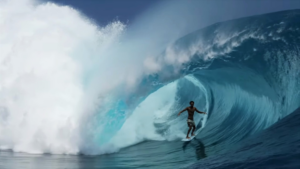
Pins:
<point x="244" y="73"/>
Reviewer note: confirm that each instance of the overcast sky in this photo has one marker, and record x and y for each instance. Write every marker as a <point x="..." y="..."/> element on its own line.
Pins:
<point x="104" y="11"/>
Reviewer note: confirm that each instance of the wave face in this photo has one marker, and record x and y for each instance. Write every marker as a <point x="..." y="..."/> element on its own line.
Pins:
<point x="280" y="141"/>
<point x="244" y="73"/>
<point x="55" y="96"/>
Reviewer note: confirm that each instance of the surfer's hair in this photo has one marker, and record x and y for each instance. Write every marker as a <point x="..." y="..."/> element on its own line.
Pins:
<point x="191" y="102"/>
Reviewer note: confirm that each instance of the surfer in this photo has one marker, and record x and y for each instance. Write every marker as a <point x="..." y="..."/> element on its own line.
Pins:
<point x="190" y="120"/>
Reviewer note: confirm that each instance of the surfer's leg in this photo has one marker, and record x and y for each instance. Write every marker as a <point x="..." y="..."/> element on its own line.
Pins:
<point x="193" y="134"/>
<point x="187" y="135"/>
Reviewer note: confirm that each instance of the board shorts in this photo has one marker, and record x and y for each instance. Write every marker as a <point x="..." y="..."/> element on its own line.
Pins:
<point x="190" y="122"/>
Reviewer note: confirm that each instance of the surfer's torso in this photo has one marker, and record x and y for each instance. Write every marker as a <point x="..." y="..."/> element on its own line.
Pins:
<point x="191" y="111"/>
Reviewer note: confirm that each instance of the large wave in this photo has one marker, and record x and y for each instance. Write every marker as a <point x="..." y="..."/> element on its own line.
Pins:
<point x="65" y="89"/>
<point x="242" y="72"/>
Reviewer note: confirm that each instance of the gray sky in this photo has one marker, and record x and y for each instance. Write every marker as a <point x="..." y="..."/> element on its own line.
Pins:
<point x="104" y="11"/>
<point x="153" y="24"/>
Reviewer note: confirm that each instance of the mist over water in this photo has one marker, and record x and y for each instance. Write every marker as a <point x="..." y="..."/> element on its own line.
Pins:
<point x="66" y="84"/>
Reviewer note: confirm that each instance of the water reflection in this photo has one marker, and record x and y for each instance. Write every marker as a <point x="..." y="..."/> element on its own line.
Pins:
<point x="198" y="146"/>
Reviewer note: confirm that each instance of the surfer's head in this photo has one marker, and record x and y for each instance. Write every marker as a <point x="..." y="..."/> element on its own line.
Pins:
<point x="192" y="103"/>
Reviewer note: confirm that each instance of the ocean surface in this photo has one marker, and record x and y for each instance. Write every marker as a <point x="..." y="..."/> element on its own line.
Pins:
<point x="244" y="73"/>
<point x="276" y="147"/>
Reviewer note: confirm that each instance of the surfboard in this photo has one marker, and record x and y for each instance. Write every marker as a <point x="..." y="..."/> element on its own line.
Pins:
<point x="191" y="138"/>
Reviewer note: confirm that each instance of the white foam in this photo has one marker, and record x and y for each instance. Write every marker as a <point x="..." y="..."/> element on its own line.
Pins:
<point x="42" y="50"/>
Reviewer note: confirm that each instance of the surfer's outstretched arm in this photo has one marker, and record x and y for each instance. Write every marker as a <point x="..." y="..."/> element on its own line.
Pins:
<point x="199" y="111"/>
<point x="182" y="111"/>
